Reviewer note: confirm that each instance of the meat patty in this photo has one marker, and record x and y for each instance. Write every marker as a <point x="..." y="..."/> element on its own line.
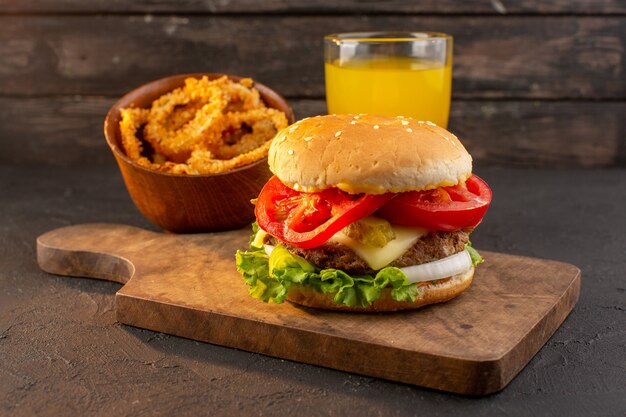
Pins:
<point x="433" y="246"/>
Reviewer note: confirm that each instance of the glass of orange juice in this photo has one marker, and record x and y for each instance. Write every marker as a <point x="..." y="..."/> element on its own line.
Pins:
<point x="389" y="73"/>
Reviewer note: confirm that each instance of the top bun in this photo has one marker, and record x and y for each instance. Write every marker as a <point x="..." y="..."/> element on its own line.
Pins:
<point x="367" y="154"/>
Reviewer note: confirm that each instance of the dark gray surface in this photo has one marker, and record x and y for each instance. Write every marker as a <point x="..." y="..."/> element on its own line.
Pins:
<point x="62" y="353"/>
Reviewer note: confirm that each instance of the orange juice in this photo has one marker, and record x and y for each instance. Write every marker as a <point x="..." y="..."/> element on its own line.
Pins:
<point x="394" y="86"/>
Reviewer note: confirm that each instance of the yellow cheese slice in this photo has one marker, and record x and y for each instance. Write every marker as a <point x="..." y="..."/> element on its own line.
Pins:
<point x="377" y="258"/>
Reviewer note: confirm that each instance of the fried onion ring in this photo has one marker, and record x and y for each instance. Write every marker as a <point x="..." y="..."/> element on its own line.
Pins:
<point x="132" y="121"/>
<point x="177" y="144"/>
<point x="263" y="123"/>
<point x="205" y="127"/>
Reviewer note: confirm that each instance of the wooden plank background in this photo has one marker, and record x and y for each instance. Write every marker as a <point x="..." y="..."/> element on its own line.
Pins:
<point x="536" y="83"/>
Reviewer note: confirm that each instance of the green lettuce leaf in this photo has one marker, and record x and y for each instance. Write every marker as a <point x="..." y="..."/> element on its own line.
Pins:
<point x="283" y="266"/>
<point x="476" y="258"/>
<point x="255" y="229"/>
<point x="270" y="277"/>
<point x="253" y="267"/>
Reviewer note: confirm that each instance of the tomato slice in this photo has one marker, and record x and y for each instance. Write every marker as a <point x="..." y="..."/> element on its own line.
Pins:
<point x="444" y="208"/>
<point x="307" y="220"/>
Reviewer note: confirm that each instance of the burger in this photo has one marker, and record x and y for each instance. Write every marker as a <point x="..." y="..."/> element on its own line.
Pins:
<point x="365" y="213"/>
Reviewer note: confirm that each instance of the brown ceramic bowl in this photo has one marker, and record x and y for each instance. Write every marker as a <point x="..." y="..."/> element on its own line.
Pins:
<point x="189" y="203"/>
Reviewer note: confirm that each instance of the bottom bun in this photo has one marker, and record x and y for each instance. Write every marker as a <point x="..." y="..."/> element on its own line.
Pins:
<point x="428" y="294"/>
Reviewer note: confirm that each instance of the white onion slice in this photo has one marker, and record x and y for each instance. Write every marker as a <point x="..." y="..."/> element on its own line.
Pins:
<point x="441" y="268"/>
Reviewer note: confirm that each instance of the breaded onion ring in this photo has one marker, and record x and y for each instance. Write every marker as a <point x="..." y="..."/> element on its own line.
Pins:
<point x="264" y="124"/>
<point x="205" y="127"/>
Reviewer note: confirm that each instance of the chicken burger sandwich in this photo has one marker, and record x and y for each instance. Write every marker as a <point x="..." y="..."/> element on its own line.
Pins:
<point x="365" y="213"/>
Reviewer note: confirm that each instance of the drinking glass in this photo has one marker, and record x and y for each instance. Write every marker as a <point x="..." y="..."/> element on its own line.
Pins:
<point x="389" y="73"/>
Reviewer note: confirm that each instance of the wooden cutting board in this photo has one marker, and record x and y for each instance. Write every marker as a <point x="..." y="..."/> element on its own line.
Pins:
<point x="187" y="285"/>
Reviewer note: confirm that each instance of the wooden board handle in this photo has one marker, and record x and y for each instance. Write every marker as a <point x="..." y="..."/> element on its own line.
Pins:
<point x="91" y="250"/>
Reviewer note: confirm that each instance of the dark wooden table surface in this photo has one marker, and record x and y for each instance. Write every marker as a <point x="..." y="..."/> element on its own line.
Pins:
<point x="62" y="352"/>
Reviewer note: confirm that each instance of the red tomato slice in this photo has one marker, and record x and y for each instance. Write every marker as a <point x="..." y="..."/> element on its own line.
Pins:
<point x="445" y="208"/>
<point x="307" y="220"/>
